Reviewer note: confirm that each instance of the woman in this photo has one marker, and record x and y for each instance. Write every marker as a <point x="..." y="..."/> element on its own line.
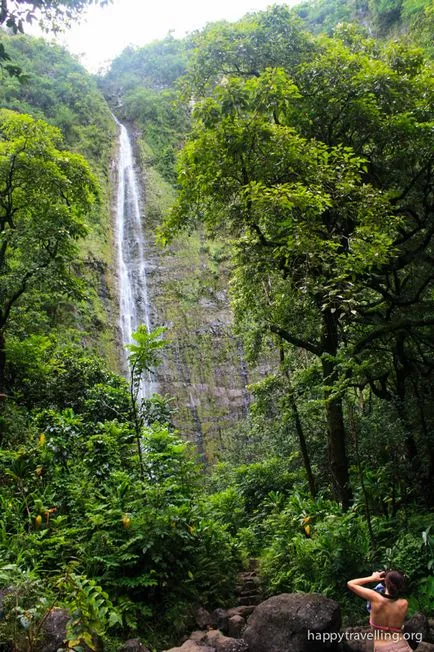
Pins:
<point x="388" y="609"/>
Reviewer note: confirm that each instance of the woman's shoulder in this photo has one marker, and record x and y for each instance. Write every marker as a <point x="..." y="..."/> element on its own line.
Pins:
<point x="387" y="599"/>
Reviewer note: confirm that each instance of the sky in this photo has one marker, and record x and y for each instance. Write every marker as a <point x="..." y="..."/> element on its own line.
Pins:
<point x="104" y="32"/>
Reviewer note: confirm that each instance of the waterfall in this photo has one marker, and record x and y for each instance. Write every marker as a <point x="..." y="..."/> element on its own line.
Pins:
<point x="134" y="306"/>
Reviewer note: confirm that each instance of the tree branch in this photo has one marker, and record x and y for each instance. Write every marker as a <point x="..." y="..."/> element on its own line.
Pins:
<point x="404" y="324"/>
<point x="296" y="341"/>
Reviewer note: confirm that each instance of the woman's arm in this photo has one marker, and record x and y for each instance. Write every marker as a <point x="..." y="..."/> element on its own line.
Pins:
<point x="368" y="594"/>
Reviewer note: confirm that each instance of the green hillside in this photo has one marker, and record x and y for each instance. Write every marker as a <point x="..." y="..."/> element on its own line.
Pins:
<point x="57" y="89"/>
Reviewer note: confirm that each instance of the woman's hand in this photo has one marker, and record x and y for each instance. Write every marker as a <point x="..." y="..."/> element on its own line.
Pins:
<point x="378" y="575"/>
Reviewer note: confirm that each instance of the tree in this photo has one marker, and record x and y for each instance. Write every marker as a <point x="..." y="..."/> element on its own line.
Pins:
<point x="14" y="14"/>
<point x="321" y="176"/>
<point x="142" y="359"/>
<point x="45" y="193"/>
<point x="18" y="12"/>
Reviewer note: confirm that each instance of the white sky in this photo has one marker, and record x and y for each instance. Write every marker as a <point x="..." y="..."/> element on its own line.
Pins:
<point x="104" y="32"/>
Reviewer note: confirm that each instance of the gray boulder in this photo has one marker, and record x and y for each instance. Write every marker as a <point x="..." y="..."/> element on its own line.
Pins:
<point x="355" y="639"/>
<point x="294" y="622"/>
<point x="133" y="645"/>
<point x="242" y="610"/>
<point x="416" y="627"/>
<point x="223" y="643"/>
<point x="219" y="620"/>
<point x="54" y="630"/>
<point x="236" y="626"/>
<point x="202" y="617"/>
<point x="191" y="646"/>
<point x="198" y="636"/>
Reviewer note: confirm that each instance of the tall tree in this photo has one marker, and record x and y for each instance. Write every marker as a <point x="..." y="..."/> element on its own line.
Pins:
<point x="51" y="15"/>
<point x="45" y="193"/>
<point x="16" y="13"/>
<point x="322" y="178"/>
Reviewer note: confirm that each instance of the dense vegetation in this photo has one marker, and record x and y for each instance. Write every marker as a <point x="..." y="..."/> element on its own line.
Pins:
<point x="57" y="90"/>
<point x="308" y="158"/>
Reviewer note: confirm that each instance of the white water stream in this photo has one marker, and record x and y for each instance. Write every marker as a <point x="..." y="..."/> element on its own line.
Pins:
<point x="134" y="306"/>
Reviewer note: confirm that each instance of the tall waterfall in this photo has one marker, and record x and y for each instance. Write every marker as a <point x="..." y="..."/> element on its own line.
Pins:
<point x="134" y="306"/>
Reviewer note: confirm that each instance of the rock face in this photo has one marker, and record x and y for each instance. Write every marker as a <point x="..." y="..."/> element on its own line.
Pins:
<point x="294" y="622"/>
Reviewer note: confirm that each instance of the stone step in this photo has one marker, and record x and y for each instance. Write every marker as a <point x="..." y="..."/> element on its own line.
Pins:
<point x="247" y="587"/>
<point x="249" y="599"/>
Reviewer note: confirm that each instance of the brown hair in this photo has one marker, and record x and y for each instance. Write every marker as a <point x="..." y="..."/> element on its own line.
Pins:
<point x="395" y="583"/>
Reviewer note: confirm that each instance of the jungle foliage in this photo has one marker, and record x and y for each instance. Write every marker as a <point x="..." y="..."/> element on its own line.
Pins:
<point x="311" y="156"/>
<point x="319" y="171"/>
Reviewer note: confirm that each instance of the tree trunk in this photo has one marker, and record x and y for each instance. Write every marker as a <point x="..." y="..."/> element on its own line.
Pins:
<point x="299" y="428"/>
<point x="337" y="452"/>
<point x="2" y="362"/>
<point x="403" y="370"/>
<point x="2" y="382"/>
<point x="335" y="418"/>
<point x="303" y="446"/>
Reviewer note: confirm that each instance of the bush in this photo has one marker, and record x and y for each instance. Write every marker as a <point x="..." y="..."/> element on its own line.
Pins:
<point x="314" y="547"/>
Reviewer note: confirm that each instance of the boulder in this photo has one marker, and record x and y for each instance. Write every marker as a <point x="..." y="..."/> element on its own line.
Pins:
<point x="198" y="636"/>
<point x="236" y="626"/>
<point x="133" y="645"/>
<point x="294" y="622"/>
<point x="431" y="630"/>
<point x="202" y="618"/>
<point x="242" y="610"/>
<point x="356" y="639"/>
<point x="417" y="629"/>
<point x="192" y="646"/>
<point x="223" y="643"/>
<point x="219" y="620"/>
<point x="54" y="630"/>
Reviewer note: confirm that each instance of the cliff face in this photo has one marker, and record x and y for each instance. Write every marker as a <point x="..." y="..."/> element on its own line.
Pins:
<point x="204" y="370"/>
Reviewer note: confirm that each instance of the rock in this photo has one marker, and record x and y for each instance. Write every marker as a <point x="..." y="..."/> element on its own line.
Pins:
<point x="53" y="633"/>
<point x="133" y="645"/>
<point x="416" y="625"/>
<point x="236" y="625"/>
<point x="425" y="647"/>
<point x="198" y="636"/>
<point x="242" y="610"/>
<point x="355" y="639"/>
<point x="223" y="643"/>
<point x="54" y="630"/>
<point x="246" y="600"/>
<point x="219" y="620"/>
<point x="191" y="646"/>
<point x="431" y="630"/>
<point x="294" y="622"/>
<point x="202" y="618"/>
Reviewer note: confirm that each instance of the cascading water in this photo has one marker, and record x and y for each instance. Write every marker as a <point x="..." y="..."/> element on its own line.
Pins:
<point x="134" y="306"/>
